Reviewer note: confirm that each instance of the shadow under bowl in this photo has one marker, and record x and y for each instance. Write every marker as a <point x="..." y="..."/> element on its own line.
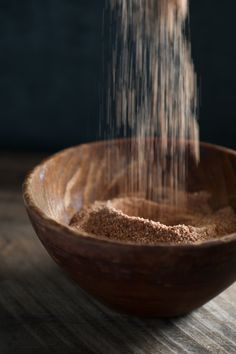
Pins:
<point x="159" y="280"/>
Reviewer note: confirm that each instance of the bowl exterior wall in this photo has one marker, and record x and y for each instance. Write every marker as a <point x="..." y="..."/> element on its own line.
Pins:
<point x="145" y="281"/>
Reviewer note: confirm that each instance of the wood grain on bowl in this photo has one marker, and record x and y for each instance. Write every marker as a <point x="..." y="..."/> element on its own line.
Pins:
<point x="160" y="280"/>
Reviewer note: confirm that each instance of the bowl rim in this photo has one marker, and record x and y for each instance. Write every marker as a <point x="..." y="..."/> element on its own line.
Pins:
<point x="87" y="238"/>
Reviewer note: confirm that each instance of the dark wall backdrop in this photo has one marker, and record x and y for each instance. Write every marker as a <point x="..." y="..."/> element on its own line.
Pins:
<point x="50" y="61"/>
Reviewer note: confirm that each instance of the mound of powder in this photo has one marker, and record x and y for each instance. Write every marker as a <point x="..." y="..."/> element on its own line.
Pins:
<point x="141" y="221"/>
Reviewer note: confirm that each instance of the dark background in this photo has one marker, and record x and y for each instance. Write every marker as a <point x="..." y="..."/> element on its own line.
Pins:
<point x="50" y="61"/>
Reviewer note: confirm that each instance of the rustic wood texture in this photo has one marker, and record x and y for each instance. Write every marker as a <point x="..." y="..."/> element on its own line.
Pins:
<point x="161" y="280"/>
<point x="42" y="311"/>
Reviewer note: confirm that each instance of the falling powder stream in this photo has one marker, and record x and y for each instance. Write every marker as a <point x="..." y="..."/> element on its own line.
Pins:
<point x="151" y="93"/>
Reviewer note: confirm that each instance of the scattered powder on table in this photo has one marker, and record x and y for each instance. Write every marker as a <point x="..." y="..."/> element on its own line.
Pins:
<point x="138" y="220"/>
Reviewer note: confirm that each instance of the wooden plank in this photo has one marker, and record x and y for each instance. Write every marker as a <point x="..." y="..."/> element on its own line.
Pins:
<point x="42" y="311"/>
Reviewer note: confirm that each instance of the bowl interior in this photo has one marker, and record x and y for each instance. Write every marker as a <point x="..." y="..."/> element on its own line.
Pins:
<point x="61" y="185"/>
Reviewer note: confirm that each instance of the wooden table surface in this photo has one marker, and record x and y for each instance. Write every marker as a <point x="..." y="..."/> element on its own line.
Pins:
<point x="43" y="311"/>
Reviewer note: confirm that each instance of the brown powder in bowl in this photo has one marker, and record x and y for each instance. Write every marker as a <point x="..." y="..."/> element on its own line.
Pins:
<point x="120" y="219"/>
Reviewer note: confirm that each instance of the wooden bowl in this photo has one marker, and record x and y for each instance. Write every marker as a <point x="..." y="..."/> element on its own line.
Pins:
<point x="162" y="280"/>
